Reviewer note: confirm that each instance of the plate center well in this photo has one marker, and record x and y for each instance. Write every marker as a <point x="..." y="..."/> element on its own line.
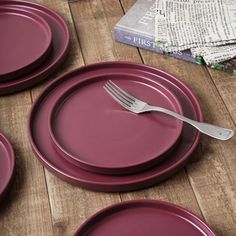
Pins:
<point x="25" y="38"/>
<point x="90" y="125"/>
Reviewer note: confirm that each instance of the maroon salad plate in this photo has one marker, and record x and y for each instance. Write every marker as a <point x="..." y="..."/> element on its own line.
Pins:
<point x="60" y="45"/>
<point x="144" y="217"/>
<point x="25" y="42"/>
<point x="7" y="164"/>
<point x="41" y="142"/>
<point x="94" y="132"/>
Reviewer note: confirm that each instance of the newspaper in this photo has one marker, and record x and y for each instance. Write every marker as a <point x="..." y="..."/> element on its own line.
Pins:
<point x="212" y="55"/>
<point x="200" y="24"/>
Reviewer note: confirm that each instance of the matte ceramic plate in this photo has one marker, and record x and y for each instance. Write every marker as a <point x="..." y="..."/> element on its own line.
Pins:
<point x="7" y="164"/>
<point x="42" y="145"/>
<point x="25" y="42"/>
<point x="93" y="131"/>
<point x="60" y="43"/>
<point x="144" y="217"/>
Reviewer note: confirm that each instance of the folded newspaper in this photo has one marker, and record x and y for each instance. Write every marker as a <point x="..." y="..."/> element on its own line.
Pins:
<point x="206" y="27"/>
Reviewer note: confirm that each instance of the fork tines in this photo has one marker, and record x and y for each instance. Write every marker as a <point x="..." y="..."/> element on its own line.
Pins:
<point x="119" y="95"/>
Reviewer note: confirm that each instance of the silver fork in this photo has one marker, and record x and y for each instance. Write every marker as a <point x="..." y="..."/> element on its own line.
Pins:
<point x="135" y="105"/>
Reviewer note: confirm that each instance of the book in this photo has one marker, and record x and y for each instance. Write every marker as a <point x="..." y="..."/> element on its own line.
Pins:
<point x="137" y="28"/>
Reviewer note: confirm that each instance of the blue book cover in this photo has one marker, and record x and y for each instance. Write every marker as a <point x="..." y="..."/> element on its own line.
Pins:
<point x="137" y="28"/>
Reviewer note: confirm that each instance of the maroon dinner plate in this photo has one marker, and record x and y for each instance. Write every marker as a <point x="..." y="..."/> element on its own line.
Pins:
<point x="144" y="217"/>
<point x="93" y="131"/>
<point x="40" y="139"/>
<point x="60" y="44"/>
<point x="7" y="164"/>
<point x="25" y="42"/>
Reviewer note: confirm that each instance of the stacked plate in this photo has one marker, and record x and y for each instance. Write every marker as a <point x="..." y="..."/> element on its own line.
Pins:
<point x="82" y="135"/>
<point x="144" y="217"/>
<point x="34" y="41"/>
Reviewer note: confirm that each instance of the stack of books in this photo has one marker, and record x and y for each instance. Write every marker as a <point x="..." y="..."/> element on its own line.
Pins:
<point x="137" y="28"/>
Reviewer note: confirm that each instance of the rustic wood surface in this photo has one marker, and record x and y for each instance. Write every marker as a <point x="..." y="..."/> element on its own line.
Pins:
<point x="41" y="204"/>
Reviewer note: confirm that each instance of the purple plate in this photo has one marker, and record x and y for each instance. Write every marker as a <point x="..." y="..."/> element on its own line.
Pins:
<point x="25" y="43"/>
<point x="93" y="131"/>
<point x="41" y="142"/>
<point x="7" y="164"/>
<point x="60" y="44"/>
<point x="144" y="217"/>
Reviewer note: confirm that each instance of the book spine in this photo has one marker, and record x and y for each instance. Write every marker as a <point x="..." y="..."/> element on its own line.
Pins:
<point x="227" y="66"/>
<point x="141" y="41"/>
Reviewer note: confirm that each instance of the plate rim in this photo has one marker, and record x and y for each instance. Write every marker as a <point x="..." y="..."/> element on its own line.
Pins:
<point x="109" y="210"/>
<point x="20" y="84"/>
<point x="7" y="145"/>
<point x="128" y="169"/>
<point x="43" y="55"/>
<point x="106" y="187"/>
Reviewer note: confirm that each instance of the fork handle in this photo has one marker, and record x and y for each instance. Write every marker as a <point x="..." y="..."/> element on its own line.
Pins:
<point x="208" y="129"/>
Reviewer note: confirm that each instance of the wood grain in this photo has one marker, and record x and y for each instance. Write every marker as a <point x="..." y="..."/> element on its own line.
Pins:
<point x="94" y="22"/>
<point x="26" y="207"/>
<point x="109" y="12"/>
<point x="18" y="99"/>
<point x="53" y="207"/>
<point x="226" y="86"/>
<point x="70" y="205"/>
<point x="213" y="176"/>
<point x="74" y="58"/>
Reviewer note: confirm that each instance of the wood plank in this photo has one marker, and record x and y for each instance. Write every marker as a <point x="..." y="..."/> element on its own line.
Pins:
<point x="17" y="99"/>
<point x="210" y="178"/>
<point x="27" y="200"/>
<point x="213" y="176"/>
<point x="94" y="22"/>
<point x="101" y="16"/>
<point x="26" y="210"/>
<point x="70" y="205"/>
<point x="176" y="190"/>
<point x="226" y="86"/>
<point x="74" y="58"/>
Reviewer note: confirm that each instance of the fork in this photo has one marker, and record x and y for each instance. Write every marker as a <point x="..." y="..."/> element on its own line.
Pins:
<point x="137" y="106"/>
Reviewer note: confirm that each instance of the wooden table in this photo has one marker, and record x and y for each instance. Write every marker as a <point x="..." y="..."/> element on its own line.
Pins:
<point x="41" y="204"/>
